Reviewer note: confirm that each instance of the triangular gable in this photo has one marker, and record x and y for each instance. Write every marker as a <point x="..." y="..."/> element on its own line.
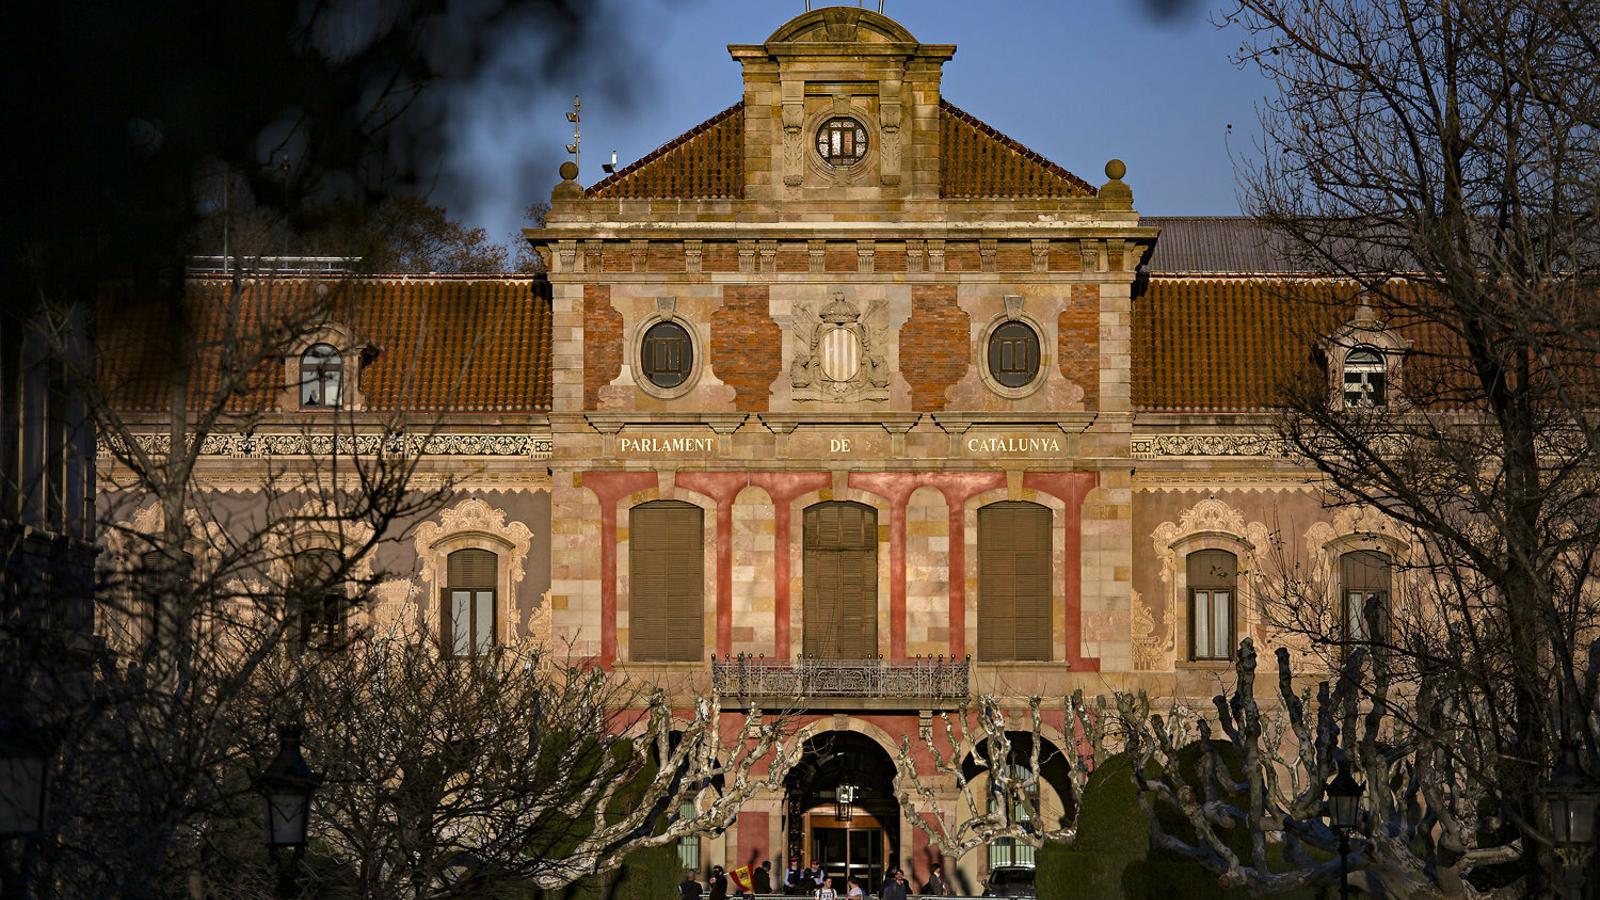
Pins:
<point x="706" y="162"/>
<point x="978" y="162"/>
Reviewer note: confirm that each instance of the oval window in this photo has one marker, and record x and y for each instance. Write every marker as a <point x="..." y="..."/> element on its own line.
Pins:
<point x="668" y="355"/>
<point x="1014" y="355"/>
<point x="842" y="141"/>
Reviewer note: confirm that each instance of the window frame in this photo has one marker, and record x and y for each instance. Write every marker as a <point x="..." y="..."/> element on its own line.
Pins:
<point x="1371" y="374"/>
<point x="1000" y="375"/>
<point x="1348" y="561"/>
<point x="448" y="637"/>
<point x="648" y="347"/>
<point x="317" y="373"/>
<point x="986" y="621"/>
<point x="1209" y="588"/>
<point x="323" y="614"/>
<point x="696" y="552"/>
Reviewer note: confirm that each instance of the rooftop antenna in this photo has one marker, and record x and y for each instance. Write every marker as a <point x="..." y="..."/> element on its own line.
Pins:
<point x="611" y="167"/>
<point x="575" y="117"/>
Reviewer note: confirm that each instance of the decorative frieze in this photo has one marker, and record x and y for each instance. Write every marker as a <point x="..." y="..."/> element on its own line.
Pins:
<point x="1201" y="445"/>
<point x="252" y="445"/>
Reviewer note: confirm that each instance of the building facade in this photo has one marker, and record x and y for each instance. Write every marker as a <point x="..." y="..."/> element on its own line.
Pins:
<point x="846" y="405"/>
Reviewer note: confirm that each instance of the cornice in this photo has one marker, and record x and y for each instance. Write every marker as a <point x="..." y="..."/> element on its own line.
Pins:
<point x="245" y="445"/>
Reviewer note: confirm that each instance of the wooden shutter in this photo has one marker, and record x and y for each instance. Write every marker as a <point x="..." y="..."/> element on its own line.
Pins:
<point x="666" y="582"/>
<point x="473" y="569"/>
<point x="1014" y="582"/>
<point x="841" y="581"/>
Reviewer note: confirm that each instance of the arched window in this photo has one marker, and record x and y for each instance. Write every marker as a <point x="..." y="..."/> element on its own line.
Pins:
<point x="666" y="582"/>
<point x="469" y="602"/>
<point x="1365" y="577"/>
<point x="667" y="354"/>
<point x="321" y="376"/>
<point x="1212" y="577"/>
<point x="1365" y="375"/>
<point x="320" y="593"/>
<point x="1014" y="582"/>
<point x="841" y="581"/>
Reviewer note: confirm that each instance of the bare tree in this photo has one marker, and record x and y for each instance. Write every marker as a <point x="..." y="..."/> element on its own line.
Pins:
<point x="1252" y="798"/>
<point x="450" y="777"/>
<point x="1006" y="803"/>
<point x="1438" y="158"/>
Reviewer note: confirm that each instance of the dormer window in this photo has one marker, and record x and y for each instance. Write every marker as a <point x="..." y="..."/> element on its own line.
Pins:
<point x="321" y="377"/>
<point x="1365" y="377"/>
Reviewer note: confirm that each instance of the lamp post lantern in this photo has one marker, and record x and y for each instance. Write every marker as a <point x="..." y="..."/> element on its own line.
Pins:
<point x="1573" y="799"/>
<point x="287" y="785"/>
<point x="844" y="802"/>
<point x="1344" y="809"/>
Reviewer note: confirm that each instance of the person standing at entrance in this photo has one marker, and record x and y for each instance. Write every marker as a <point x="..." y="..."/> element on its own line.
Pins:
<point x="896" y="887"/>
<point x="761" y="878"/>
<point x="690" y="888"/>
<point x="935" y="885"/>
<point x="719" y="884"/>
<point x="794" y="879"/>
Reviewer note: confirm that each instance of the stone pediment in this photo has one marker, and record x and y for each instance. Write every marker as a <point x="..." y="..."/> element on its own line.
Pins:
<point x="842" y="25"/>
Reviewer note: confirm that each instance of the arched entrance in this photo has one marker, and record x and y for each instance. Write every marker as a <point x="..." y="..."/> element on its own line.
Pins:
<point x="1051" y="797"/>
<point x="866" y="842"/>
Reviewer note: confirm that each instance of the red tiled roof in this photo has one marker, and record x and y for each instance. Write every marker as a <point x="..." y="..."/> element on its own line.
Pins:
<point x="706" y="162"/>
<point x="1227" y="344"/>
<point x="977" y="161"/>
<point x="446" y="343"/>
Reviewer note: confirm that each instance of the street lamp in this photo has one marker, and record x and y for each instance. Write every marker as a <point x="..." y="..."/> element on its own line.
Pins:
<point x="1344" y="808"/>
<point x="24" y="778"/>
<point x="1574" y="799"/>
<point x="286" y="785"/>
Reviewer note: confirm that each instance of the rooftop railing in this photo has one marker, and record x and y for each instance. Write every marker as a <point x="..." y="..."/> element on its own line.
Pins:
<point x="924" y="678"/>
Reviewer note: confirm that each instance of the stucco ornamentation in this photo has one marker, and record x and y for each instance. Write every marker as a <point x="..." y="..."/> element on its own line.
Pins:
<point x="839" y="352"/>
<point x="1211" y="516"/>
<point x="1237" y="444"/>
<point x="1353" y="528"/>
<point x="473" y="517"/>
<point x="1152" y="651"/>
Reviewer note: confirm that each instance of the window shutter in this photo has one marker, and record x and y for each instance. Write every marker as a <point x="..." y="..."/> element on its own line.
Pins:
<point x="841" y="581"/>
<point x="666" y="582"/>
<point x="1014" y="582"/>
<point x="473" y="569"/>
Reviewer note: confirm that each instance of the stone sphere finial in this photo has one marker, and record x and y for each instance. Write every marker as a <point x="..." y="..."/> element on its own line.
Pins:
<point x="569" y="171"/>
<point x="1115" y="169"/>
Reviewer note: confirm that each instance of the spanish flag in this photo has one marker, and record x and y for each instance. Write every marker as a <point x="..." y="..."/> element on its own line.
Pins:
<point x="740" y="878"/>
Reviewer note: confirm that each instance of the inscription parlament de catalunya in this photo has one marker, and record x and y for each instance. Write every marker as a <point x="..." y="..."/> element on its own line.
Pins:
<point x="666" y="445"/>
<point x="1000" y="446"/>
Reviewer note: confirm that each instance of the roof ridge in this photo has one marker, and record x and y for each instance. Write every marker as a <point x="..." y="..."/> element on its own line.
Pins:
<point x="1016" y="146"/>
<point x="594" y="190"/>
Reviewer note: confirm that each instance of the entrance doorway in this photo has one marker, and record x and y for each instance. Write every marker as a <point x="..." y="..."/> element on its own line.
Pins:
<point x="856" y="848"/>
<point x="866" y="843"/>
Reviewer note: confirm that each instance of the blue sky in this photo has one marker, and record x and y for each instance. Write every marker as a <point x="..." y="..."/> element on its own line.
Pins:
<point x="1080" y="81"/>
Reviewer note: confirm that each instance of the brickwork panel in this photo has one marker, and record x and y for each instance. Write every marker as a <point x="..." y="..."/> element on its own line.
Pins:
<point x="963" y="259"/>
<point x="935" y="345"/>
<point x="746" y="346"/>
<point x="666" y="259"/>
<point x="602" y="342"/>
<point x="792" y="261"/>
<point x="720" y="258"/>
<point x="1078" y="342"/>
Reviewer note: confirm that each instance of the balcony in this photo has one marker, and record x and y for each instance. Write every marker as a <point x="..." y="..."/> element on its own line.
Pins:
<point x="924" y="682"/>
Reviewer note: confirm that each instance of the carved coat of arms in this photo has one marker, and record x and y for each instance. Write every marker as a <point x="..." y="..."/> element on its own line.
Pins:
<point x="839" y="353"/>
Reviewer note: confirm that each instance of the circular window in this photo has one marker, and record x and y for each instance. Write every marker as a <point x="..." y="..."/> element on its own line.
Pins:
<point x="668" y="355"/>
<point x="1014" y="355"/>
<point x="842" y="141"/>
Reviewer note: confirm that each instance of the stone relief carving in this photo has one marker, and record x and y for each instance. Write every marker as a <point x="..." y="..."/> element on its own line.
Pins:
<point x="1151" y="651"/>
<point x="1209" y="515"/>
<point x="253" y="445"/>
<point x="467" y="518"/>
<point x="839" y="353"/>
<point x="1152" y="446"/>
<point x="1378" y="530"/>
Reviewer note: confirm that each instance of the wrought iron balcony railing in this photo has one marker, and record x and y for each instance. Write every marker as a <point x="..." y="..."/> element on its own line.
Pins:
<point x="931" y="678"/>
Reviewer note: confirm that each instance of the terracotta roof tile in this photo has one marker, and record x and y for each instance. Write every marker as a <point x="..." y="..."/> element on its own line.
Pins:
<point x="446" y="343"/>
<point x="977" y="161"/>
<point x="706" y="162"/>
